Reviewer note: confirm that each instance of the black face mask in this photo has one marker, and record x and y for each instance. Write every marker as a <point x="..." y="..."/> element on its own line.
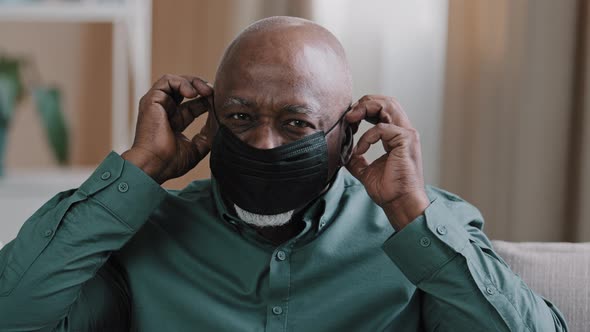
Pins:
<point x="270" y="181"/>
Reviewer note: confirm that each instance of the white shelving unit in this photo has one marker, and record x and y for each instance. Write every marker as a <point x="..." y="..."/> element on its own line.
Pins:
<point x="22" y="192"/>
<point x="132" y="28"/>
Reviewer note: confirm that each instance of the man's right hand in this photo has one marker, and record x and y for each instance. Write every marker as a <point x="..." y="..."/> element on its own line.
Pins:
<point x="159" y="148"/>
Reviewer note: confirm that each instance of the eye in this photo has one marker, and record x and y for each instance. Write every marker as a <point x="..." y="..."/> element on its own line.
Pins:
<point x="299" y="123"/>
<point x="239" y="116"/>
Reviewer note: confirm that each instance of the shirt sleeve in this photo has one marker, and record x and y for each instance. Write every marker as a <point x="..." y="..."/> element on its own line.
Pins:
<point x="466" y="285"/>
<point x="65" y="243"/>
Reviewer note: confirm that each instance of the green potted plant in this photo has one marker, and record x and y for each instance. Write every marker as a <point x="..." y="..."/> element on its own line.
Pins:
<point x="47" y="100"/>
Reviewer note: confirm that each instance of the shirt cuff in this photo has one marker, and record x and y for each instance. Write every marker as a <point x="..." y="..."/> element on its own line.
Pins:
<point x="426" y="244"/>
<point x="125" y="190"/>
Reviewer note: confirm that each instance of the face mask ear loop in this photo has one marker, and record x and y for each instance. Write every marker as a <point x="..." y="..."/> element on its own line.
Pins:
<point x="331" y="180"/>
<point x="340" y="119"/>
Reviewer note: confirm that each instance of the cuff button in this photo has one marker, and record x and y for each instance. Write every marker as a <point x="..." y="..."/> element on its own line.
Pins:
<point x="424" y="242"/>
<point x="123" y="187"/>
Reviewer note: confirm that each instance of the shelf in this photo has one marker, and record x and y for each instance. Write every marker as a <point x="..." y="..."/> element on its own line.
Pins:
<point x="22" y="192"/>
<point x="74" y="12"/>
<point x="37" y="182"/>
<point x="131" y="47"/>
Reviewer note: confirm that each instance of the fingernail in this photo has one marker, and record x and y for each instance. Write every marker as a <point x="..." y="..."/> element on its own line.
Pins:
<point x="209" y="84"/>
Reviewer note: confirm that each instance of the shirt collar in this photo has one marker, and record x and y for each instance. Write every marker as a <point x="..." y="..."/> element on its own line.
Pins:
<point x="322" y="212"/>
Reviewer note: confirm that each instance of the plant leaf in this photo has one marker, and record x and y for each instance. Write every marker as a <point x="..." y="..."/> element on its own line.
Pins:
<point x="8" y="93"/>
<point x="48" y="102"/>
<point x="10" y="68"/>
<point x="10" y="88"/>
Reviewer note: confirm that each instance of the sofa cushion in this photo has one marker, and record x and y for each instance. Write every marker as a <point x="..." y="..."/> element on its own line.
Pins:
<point x="560" y="272"/>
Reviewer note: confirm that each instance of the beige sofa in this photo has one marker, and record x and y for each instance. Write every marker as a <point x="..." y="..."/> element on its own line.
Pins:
<point x="559" y="272"/>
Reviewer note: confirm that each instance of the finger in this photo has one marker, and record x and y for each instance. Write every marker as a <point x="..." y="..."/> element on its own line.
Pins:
<point x="202" y="86"/>
<point x="186" y="113"/>
<point x="400" y="118"/>
<point x="380" y="132"/>
<point x="176" y="86"/>
<point x="163" y="99"/>
<point x="370" y="110"/>
<point x="379" y="109"/>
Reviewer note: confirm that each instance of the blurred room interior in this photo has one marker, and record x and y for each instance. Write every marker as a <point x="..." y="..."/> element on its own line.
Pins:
<point x="497" y="89"/>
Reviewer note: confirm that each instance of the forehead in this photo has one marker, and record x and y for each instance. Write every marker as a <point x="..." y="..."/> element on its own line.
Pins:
<point x="275" y="70"/>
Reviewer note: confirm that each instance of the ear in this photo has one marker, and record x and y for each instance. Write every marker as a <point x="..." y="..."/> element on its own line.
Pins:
<point x="211" y="106"/>
<point x="347" y="144"/>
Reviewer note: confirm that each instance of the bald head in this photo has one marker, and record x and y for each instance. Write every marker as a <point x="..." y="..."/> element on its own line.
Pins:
<point x="288" y="58"/>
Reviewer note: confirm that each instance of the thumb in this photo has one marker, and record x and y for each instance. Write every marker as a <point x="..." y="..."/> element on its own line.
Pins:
<point x="202" y="144"/>
<point x="357" y="166"/>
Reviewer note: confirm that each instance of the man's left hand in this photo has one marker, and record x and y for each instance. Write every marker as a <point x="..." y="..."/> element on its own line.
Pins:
<point x="395" y="180"/>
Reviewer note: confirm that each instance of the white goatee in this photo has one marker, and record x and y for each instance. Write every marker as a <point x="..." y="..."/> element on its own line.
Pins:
<point x="264" y="220"/>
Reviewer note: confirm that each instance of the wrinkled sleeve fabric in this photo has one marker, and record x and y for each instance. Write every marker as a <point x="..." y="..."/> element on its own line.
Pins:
<point x="49" y="274"/>
<point x="466" y="285"/>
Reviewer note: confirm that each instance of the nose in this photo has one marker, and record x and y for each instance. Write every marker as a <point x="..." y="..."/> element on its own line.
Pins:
<point x="263" y="137"/>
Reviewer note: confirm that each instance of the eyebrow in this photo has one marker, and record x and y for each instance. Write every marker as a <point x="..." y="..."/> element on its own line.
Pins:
<point x="298" y="109"/>
<point x="289" y="108"/>
<point x="237" y="101"/>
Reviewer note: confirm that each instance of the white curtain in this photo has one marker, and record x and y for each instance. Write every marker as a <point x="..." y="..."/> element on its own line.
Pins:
<point x="396" y="48"/>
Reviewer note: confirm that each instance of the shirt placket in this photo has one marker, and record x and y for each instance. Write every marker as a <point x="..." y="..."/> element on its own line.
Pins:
<point x="277" y="308"/>
<point x="279" y="282"/>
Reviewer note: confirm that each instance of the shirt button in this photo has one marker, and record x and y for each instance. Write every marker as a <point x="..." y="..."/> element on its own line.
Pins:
<point x="425" y="242"/>
<point x="48" y="233"/>
<point x="277" y="310"/>
<point x="322" y="223"/>
<point x="106" y="175"/>
<point x="441" y="229"/>
<point x="123" y="187"/>
<point x="281" y="255"/>
<point x="490" y="290"/>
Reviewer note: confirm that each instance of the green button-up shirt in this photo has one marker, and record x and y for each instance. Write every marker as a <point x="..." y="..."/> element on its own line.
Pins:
<point x="121" y="253"/>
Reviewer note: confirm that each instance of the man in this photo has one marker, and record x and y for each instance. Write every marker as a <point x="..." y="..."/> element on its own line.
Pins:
<point x="282" y="238"/>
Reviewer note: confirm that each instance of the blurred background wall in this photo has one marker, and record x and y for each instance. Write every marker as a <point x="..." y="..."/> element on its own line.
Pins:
<point x="190" y="36"/>
<point x="496" y="90"/>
